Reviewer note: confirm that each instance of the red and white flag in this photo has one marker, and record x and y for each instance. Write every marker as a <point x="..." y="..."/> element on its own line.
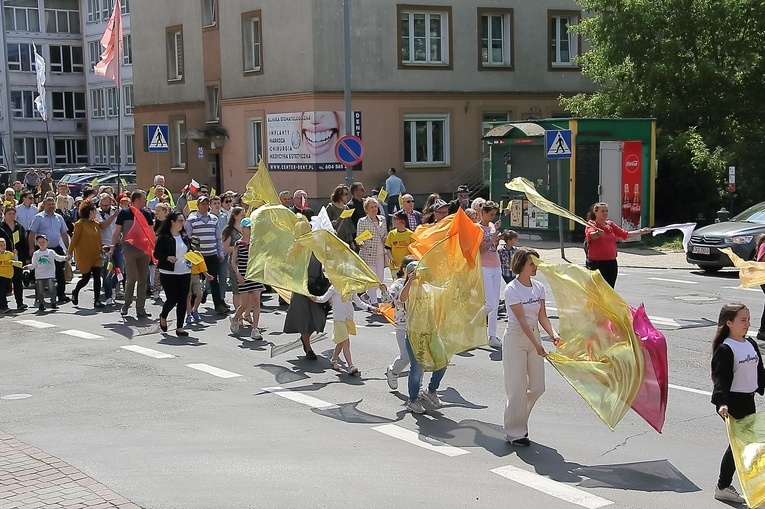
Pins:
<point x="112" y="43"/>
<point x="194" y="186"/>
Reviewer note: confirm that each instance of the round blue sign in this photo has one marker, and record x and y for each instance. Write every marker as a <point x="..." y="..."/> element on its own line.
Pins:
<point x="349" y="150"/>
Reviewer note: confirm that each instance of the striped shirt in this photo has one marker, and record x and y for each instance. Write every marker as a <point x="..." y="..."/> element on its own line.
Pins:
<point x="205" y="228"/>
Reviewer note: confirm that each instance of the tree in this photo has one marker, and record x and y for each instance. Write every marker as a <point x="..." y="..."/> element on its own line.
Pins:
<point x="696" y="66"/>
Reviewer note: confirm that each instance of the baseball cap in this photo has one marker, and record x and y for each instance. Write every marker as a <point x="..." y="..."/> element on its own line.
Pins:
<point x="400" y="214"/>
<point x="41" y="236"/>
<point x="203" y="199"/>
<point x="246" y="222"/>
<point x="463" y="189"/>
<point x="439" y="203"/>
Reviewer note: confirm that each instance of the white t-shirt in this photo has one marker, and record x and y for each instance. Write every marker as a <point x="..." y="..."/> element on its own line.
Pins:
<point x="529" y="297"/>
<point x="180" y="262"/>
<point x="744" y="366"/>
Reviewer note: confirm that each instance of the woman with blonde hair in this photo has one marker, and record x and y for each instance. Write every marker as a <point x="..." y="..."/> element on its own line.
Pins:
<point x="372" y="250"/>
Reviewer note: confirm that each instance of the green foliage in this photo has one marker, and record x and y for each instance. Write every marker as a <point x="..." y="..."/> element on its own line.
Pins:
<point x="697" y="67"/>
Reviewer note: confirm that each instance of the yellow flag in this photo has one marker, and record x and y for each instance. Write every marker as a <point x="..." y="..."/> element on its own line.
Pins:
<point x="501" y="206"/>
<point x="365" y="235"/>
<point x="747" y="443"/>
<point x="599" y="353"/>
<point x="212" y="192"/>
<point x="150" y="195"/>
<point x="383" y="195"/>
<point x="17" y="263"/>
<point x="260" y="189"/>
<point x="124" y="182"/>
<point x="346" y="213"/>
<point x="194" y="258"/>
<point x="345" y="269"/>
<point x="95" y="182"/>
<point x="750" y="273"/>
<point x="401" y="201"/>
<point x="16" y="237"/>
<point x="524" y="186"/>
<point x="193" y="206"/>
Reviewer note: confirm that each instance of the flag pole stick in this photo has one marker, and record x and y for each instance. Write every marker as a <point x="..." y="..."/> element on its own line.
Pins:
<point x="118" y="19"/>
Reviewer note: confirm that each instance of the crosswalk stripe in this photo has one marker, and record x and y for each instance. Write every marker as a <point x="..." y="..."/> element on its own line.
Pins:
<point x="419" y="440"/>
<point x="553" y="488"/>
<point x="212" y="370"/>
<point x="148" y="352"/>
<point x="81" y="334"/>
<point x="674" y="280"/>
<point x="36" y="324"/>
<point x="301" y="398"/>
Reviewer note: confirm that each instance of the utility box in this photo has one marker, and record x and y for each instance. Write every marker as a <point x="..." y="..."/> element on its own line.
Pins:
<point x="612" y="161"/>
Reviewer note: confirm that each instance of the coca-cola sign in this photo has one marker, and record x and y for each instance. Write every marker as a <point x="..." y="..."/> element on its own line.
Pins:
<point x="631" y="163"/>
<point x="632" y="180"/>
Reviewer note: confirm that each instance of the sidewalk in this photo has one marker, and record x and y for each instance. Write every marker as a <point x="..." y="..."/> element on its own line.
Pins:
<point x="630" y="255"/>
<point x="31" y="479"/>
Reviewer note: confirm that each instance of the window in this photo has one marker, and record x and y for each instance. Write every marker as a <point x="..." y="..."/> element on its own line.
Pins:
<point x="424" y="36"/>
<point x="106" y="9"/>
<point x="70" y="151"/>
<point x="209" y="13"/>
<point x="127" y="92"/>
<point x="564" y="44"/>
<point x="66" y="59"/>
<point x="178" y="143"/>
<point x="62" y="16"/>
<point x="94" y="11"/>
<point x="99" y="150"/>
<point x="112" y="105"/>
<point x="127" y="50"/>
<point x="254" y="141"/>
<point x="252" y="42"/>
<point x="22" y="16"/>
<point x="212" y="100"/>
<point x="125" y="6"/>
<point x="426" y="140"/>
<point x="130" y="149"/>
<point x="174" y="54"/>
<point x="113" y="144"/>
<point x="31" y="151"/>
<point x="23" y="104"/>
<point x="97" y="103"/>
<point x="69" y="105"/>
<point x="495" y="116"/>
<point x="94" y="54"/>
<point x="495" y="38"/>
<point x="21" y="57"/>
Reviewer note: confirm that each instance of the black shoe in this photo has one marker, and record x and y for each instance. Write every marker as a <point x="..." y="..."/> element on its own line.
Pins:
<point x="124" y="311"/>
<point x="204" y="297"/>
<point x="221" y="309"/>
<point x="142" y="314"/>
<point x="761" y="336"/>
<point x="75" y="298"/>
<point x="163" y="326"/>
<point x="310" y="355"/>
<point x="22" y="307"/>
<point x="99" y="304"/>
<point x="41" y="308"/>
<point x="63" y="300"/>
<point x="521" y="442"/>
<point x="181" y="332"/>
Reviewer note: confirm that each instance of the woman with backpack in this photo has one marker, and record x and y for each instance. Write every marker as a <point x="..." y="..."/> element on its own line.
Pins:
<point x="600" y="242"/>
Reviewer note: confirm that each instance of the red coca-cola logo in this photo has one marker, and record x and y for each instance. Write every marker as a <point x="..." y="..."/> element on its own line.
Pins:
<point x="632" y="163"/>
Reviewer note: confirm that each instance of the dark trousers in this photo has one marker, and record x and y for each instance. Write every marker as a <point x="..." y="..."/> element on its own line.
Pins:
<point x="762" y="319"/>
<point x="176" y="288"/>
<point x="18" y="285"/>
<point x="391" y="203"/>
<point x="5" y="284"/>
<point x="608" y="269"/>
<point x="95" y="272"/>
<point x="739" y="406"/>
<point x="60" y="278"/>
<point x="213" y="268"/>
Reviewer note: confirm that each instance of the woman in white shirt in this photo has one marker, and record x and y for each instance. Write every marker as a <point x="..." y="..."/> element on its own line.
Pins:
<point x="174" y="270"/>
<point x="522" y="350"/>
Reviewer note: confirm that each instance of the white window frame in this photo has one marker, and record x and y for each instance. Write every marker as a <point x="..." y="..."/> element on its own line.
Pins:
<point x="410" y="160"/>
<point x="175" y="55"/>
<point x="99" y="150"/>
<point x="130" y="149"/>
<point x="71" y="153"/>
<point x="27" y="101"/>
<point x="33" y="151"/>
<point x="254" y="141"/>
<point x="111" y="100"/>
<point x="209" y="13"/>
<point x="97" y="106"/>
<point x="178" y="143"/>
<point x="128" y="99"/>
<point x="60" y="66"/>
<point x="30" y="13"/>
<point x="410" y="37"/>
<point x="106" y="9"/>
<point x="94" y="54"/>
<point x="253" y="56"/>
<point x="72" y="25"/>
<point x="570" y="38"/>
<point x="212" y="103"/>
<point x="94" y="11"/>
<point x="505" y="38"/>
<point x="69" y="102"/>
<point x="127" y="49"/>
<point x="18" y="65"/>
<point x="125" y="7"/>
<point x="113" y="149"/>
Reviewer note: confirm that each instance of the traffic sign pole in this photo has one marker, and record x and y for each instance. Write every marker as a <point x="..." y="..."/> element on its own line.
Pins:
<point x="347" y="81"/>
<point x="558" y="145"/>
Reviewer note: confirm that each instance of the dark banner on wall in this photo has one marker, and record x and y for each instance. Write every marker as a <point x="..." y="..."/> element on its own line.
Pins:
<point x="305" y="141"/>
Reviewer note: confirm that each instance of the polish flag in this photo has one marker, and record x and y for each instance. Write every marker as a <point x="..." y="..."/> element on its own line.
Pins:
<point x="194" y="186"/>
<point x="112" y="43"/>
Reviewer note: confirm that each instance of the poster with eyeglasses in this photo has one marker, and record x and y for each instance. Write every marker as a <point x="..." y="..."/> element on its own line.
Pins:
<point x="305" y="141"/>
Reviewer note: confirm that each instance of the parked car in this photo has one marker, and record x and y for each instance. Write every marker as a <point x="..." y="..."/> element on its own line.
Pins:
<point x="75" y="181"/>
<point x="129" y="181"/>
<point x="739" y="234"/>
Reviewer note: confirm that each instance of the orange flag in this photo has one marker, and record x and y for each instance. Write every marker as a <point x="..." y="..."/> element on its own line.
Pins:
<point x="469" y="233"/>
<point x="141" y="235"/>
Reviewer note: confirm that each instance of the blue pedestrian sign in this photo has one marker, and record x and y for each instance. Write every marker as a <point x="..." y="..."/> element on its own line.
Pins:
<point x="558" y="144"/>
<point x="349" y="150"/>
<point x="157" y="137"/>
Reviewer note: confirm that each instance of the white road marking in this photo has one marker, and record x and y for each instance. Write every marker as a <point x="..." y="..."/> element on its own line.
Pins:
<point x="654" y="319"/>
<point x="148" y="352"/>
<point x="212" y="370"/>
<point x="674" y="280"/>
<point x="689" y="389"/>
<point x="301" y="398"/>
<point x="553" y="488"/>
<point x="81" y="334"/>
<point x="739" y="288"/>
<point x="36" y="324"/>
<point x="419" y="440"/>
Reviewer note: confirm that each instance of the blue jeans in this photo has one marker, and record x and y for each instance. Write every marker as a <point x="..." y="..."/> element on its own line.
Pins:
<point x="416" y="373"/>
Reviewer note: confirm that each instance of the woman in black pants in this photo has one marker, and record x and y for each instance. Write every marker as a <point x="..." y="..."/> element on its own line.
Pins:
<point x="174" y="273"/>
<point x="16" y="238"/>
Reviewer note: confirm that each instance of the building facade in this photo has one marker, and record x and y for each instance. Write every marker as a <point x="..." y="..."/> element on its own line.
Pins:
<point x="65" y="33"/>
<point x="244" y="79"/>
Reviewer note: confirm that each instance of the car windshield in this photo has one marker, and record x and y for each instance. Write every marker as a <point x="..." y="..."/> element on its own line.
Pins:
<point x="754" y="214"/>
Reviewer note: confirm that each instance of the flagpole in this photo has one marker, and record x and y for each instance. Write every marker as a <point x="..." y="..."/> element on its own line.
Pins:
<point x="10" y="159"/>
<point x="118" y="19"/>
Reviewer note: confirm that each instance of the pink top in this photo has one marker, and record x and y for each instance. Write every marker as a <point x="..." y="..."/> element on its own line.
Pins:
<point x="490" y="258"/>
<point x="761" y="252"/>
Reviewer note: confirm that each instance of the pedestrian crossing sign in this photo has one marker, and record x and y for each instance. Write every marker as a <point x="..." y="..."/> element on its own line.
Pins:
<point x="558" y="144"/>
<point x="156" y="138"/>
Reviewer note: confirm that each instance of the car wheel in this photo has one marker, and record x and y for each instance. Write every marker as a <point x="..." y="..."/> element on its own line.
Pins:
<point x="710" y="270"/>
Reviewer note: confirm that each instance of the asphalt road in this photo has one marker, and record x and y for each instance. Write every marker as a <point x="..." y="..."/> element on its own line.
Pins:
<point x="167" y="435"/>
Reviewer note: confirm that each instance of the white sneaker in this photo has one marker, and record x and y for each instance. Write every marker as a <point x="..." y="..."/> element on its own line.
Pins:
<point x="257" y="336"/>
<point x="415" y="407"/>
<point x="109" y="302"/>
<point x="392" y="378"/>
<point x="729" y="494"/>
<point x="494" y="342"/>
<point x="432" y="398"/>
<point x="235" y="326"/>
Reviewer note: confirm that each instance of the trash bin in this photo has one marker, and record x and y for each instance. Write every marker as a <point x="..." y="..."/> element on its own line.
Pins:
<point x="722" y="215"/>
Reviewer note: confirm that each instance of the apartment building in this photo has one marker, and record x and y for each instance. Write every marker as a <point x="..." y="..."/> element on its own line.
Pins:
<point x="66" y="34"/>
<point x="244" y="79"/>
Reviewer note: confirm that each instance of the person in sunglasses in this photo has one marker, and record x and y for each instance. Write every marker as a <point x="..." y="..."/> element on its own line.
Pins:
<point x="413" y="217"/>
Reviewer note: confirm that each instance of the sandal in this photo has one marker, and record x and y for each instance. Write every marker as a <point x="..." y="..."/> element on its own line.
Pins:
<point x="335" y="364"/>
<point x="353" y="370"/>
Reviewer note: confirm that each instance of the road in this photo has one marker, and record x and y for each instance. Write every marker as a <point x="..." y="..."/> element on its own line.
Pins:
<point x="214" y="422"/>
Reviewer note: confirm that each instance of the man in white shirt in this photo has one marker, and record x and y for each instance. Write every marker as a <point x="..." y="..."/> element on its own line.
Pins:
<point x="26" y="210"/>
<point x="394" y="186"/>
<point x="159" y="193"/>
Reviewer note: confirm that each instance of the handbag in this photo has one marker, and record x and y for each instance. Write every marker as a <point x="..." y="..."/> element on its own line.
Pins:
<point x="68" y="272"/>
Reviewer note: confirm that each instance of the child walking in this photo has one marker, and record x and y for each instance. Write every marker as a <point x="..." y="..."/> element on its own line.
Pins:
<point x="398" y="240"/>
<point x="45" y="272"/>
<point x="343" y="324"/>
<point x="198" y="274"/>
<point x="401" y="362"/>
<point x="249" y="291"/>
<point x="506" y="252"/>
<point x="6" y="275"/>
<point x="737" y="373"/>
